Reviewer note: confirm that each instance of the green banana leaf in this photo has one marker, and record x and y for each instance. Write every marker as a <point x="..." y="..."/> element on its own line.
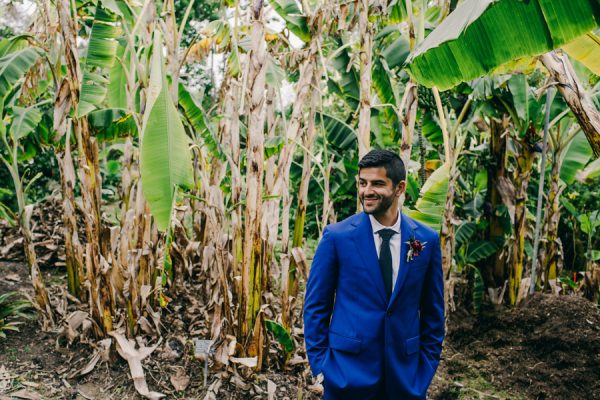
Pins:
<point x="12" y="44"/>
<point x="13" y="66"/>
<point x="196" y="118"/>
<point x="480" y="250"/>
<point x="349" y="83"/>
<point x="386" y="92"/>
<point x="101" y="55"/>
<point x="586" y="50"/>
<point x="481" y="35"/>
<point x="429" y="208"/>
<point x="339" y="134"/>
<point x="464" y="232"/>
<point x="478" y="288"/>
<point x="25" y="120"/>
<point x="294" y="20"/>
<point x="591" y="172"/>
<point x="396" y="53"/>
<point x="281" y="334"/>
<point x="116" y="96"/>
<point x="577" y="156"/>
<point x="166" y="161"/>
<point x="112" y="123"/>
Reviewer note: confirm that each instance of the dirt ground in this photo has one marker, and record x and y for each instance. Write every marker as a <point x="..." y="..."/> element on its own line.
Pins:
<point x="548" y="348"/>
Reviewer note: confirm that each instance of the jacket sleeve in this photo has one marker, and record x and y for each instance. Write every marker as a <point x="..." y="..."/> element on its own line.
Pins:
<point x="432" y="308"/>
<point x="318" y="301"/>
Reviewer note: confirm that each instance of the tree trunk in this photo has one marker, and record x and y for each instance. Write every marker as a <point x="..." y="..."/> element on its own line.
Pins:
<point x="252" y="279"/>
<point x="496" y="273"/>
<point x="549" y="255"/>
<point x="525" y="159"/>
<point x="89" y="175"/>
<point x="576" y="96"/>
<point x="366" y="58"/>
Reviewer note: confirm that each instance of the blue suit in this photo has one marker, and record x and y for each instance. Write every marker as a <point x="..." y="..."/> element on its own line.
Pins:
<point x="366" y="346"/>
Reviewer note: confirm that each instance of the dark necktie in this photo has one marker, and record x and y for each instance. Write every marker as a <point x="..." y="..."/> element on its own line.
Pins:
<point x="385" y="259"/>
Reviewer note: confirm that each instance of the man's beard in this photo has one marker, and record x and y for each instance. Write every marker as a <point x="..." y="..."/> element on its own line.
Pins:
<point x="384" y="205"/>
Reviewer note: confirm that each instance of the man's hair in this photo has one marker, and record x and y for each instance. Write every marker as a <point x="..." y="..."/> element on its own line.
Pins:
<point x="394" y="167"/>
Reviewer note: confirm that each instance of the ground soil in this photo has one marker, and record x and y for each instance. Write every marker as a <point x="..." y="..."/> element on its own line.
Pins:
<point x="547" y="348"/>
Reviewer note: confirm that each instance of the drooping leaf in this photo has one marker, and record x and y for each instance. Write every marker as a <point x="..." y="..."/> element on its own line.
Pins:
<point x="478" y="289"/>
<point x="197" y="119"/>
<point x="100" y="59"/>
<point x="384" y="87"/>
<point x="519" y="89"/>
<point x="464" y="232"/>
<point x="116" y="96"/>
<point x="397" y="52"/>
<point x="166" y="161"/>
<point x="338" y="132"/>
<point x="586" y="50"/>
<point x="295" y="21"/>
<point x="13" y="66"/>
<point x="273" y="145"/>
<point x="112" y="123"/>
<point x="479" y="250"/>
<point x="590" y="172"/>
<point x="481" y="35"/>
<point x="25" y="120"/>
<point x="429" y="209"/>
<point x="275" y="74"/>
<point x="576" y="158"/>
<point x="349" y="83"/>
<point x="12" y="44"/>
<point x="281" y="334"/>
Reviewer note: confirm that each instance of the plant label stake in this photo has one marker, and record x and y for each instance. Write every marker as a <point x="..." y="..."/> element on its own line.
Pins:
<point x="204" y="347"/>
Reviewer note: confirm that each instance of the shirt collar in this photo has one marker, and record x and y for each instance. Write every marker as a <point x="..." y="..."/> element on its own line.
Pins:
<point x="377" y="226"/>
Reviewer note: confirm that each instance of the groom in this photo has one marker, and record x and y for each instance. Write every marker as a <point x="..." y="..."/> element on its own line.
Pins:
<point x="374" y="305"/>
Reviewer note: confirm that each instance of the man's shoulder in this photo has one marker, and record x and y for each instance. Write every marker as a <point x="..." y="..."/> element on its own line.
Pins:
<point x="344" y="225"/>
<point x="423" y="229"/>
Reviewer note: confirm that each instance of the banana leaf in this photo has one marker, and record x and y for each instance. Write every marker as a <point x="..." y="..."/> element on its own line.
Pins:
<point x="281" y="334"/>
<point x="116" y="96"/>
<point x="349" y="84"/>
<point x="577" y="156"/>
<point x="339" y="134"/>
<point x="480" y="250"/>
<point x="196" y="118"/>
<point x="586" y="50"/>
<point x="13" y="44"/>
<point x="294" y="20"/>
<point x="101" y="56"/>
<point x="166" y="161"/>
<point x="25" y="120"/>
<point x="464" y="232"/>
<point x="112" y="123"/>
<point x="429" y="208"/>
<point x="481" y="35"/>
<point x="13" y="66"/>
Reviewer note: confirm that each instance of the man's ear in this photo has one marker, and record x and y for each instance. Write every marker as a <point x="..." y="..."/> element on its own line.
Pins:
<point x="401" y="187"/>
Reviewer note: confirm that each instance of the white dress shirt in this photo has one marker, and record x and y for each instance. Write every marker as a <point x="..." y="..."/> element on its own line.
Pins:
<point x="395" y="243"/>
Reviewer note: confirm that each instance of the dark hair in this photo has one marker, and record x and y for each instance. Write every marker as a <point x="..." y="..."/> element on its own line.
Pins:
<point x="394" y="167"/>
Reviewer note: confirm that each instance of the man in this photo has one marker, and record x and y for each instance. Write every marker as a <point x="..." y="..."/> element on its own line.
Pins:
<point x="374" y="305"/>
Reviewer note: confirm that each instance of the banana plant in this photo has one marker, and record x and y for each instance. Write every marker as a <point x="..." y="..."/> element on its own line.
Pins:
<point x="165" y="156"/>
<point x="480" y="36"/>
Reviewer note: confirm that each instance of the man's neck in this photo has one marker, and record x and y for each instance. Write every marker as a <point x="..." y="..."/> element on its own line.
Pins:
<point x="388" y="218"/>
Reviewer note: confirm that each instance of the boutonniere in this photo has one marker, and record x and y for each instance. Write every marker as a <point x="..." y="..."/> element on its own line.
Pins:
<point x="415" y="247"/>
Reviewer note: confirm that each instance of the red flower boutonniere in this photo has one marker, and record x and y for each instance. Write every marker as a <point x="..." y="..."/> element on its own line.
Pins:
<point x="415" y="247"/>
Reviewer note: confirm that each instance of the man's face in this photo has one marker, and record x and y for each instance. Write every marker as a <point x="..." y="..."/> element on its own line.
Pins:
<point x="376" y="191"/>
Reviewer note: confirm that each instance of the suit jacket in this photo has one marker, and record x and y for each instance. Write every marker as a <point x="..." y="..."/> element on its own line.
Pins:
<point x="366" y="346"/>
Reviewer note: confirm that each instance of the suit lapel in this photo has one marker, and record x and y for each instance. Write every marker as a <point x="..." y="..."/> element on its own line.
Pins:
<point x="365" y="245"/>
<point x="407" y="231"/>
